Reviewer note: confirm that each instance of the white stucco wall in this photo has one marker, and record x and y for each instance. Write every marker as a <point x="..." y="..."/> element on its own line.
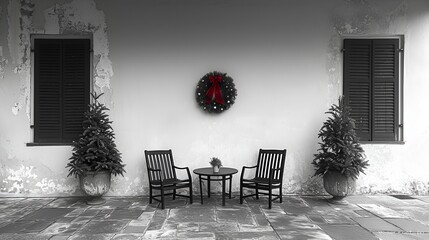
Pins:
<point x="286" y="63"/>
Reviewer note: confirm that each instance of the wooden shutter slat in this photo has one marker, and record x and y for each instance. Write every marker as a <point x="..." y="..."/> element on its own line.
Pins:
<point x="371" y="78"/>
<point x="61" y="88"/>
<point x="357" y="84"/>
<point x="47" y="95"/>
<point x="385" y="89"/>
<point x="76" y="74"/>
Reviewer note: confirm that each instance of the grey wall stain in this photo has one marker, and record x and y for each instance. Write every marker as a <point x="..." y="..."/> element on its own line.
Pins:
<point x="20" y="16"/>
<point x="3" y="62"/>
<point x="356" y="18"/>
<point x="360" y="18"/>
<point x="76" y="17"/>
<point x="69" y="18"/>
<point x="82" y="17"/>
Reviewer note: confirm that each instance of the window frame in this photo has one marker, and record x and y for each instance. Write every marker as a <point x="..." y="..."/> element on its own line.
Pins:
<point x="400" y="100"/>
<point x="33" y="37"/>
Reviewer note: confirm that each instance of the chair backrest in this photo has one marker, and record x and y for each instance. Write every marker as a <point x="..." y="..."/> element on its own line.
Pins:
<point x="160" y="159"/>
<point x="270" y="159"/>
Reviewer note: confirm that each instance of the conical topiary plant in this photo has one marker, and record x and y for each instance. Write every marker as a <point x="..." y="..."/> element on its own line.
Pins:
<point x="340" y="149"/>
<point x="95" y="150"/>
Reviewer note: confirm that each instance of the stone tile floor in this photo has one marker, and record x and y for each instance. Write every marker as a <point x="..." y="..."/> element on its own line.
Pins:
<point x="298" y="217"/>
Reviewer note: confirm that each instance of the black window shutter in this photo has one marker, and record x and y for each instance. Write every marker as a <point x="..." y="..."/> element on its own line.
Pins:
<point x="76" y="74"/>
<point x="357" y="84"/>
<point x="47" y="90"/>
<point x="61" y="88"/>
<point x="385" y="78"/>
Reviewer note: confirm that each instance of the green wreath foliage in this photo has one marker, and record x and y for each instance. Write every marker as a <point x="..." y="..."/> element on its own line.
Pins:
<point x="212" y="98"/>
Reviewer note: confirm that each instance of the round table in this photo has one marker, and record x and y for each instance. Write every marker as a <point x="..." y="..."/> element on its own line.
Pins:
<point x="207" y="174"/>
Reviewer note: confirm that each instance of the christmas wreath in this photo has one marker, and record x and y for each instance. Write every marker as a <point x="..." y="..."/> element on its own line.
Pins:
<point x="216" y="92"/>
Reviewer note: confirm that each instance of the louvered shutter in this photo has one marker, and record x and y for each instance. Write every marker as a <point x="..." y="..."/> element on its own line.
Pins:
<point x="61" y="88"/>
<point x="385" y="78"/>
<point x="76" y="74"/>
<point x="371" y="81"/>
<point x="357" y="84"/>
<point x="47" y="90"/>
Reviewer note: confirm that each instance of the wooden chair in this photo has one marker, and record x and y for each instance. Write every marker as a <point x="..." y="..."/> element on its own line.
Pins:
<point x="162" y="176"/>
<point x="268" y="175"/>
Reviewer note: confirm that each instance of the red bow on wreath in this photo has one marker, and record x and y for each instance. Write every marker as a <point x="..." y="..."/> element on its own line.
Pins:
<point x="215" y="92"/>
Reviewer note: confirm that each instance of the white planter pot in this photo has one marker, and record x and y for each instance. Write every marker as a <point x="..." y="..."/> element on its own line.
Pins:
<point x="95" y="185"/>
<point x="339" y="186"/>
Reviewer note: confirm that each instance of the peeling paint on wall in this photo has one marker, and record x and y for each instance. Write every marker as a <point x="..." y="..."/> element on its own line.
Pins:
<point x="125" y="185"/>
<point x="15" y="109"/>
<point x="25" y="180"/>
<point x="354" y="18"/>
<point x="76" y="17"/>
<point x="17" y="181"/>
<point x="31" y="171"/>
<point x="79" y="17"/>
<point x="362" y="18"/>
<point x="3" y="61"/>
<point x="20" y="17"/>
<point x="55" y="186"/>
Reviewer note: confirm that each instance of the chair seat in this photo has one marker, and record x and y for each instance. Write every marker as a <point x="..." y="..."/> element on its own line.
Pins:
<point x="261" y="182"/>
<point x="173" y="182"/>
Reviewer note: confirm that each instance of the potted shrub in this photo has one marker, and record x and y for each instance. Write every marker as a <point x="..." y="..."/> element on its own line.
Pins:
<point x="216" y="164"/>
<point x="340" y="158"/>
<point x="95" y="156"/>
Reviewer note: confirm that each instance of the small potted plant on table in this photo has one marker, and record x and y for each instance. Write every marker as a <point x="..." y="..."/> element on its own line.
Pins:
<point x="340" y="157"/>
<point x="216" y="164"/>
<point x="95" y="156"/>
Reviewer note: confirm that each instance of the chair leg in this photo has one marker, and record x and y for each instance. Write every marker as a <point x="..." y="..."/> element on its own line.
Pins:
<point x="190" y="194"/>
<point x="241" y="194"/>
<point x="201" y="190"/>
<point x="257" y="192"/>
<point x="281" y="195"/>
<point x="162" y="199"/>
<point x="174" y="194"/>
<point x="208" y="186"/>
<point x="150" y="195"/>
<point x="270" y="193"/>
<point x="230" y="186"/>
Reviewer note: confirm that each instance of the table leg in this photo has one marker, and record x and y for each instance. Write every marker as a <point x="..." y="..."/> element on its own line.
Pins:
<point x="201" y="189"/>
<point x="230" y="185"/>
<point x="223" y="190"/>
<point x="208" y="186"/>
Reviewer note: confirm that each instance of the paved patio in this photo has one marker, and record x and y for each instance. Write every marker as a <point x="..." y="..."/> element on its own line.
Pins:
<point x="298" y="217"/>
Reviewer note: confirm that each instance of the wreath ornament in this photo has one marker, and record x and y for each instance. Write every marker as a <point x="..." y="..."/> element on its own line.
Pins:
<point x="216" y="92"/>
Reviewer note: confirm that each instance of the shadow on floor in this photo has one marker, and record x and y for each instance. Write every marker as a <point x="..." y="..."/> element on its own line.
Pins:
<point x="297" y="217"/>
